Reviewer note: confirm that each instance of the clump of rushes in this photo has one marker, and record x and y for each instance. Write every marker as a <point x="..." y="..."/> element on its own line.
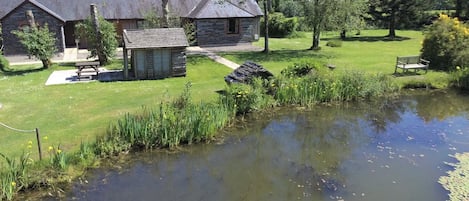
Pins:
<point x="168" y="125"/>
<point x="329" y="87"/>
<point x="58" y="158"/>
<point x="14" y="176"/>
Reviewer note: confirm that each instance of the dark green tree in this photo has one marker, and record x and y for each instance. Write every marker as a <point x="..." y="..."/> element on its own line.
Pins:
<point x="396" y="12"/>
<point x="85" y="30"/>
<point x="38" y="42"/>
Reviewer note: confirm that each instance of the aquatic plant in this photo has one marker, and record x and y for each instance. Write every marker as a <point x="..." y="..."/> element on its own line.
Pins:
<point x="14" y="176"/>
<point x="457" y="180"/>
<point x="330" y="87"/>
<point x="58" y="158"/>
<point x="460" y="78"/>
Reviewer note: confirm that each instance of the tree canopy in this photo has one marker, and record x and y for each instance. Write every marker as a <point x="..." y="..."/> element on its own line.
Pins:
<point x="39" y="42"/>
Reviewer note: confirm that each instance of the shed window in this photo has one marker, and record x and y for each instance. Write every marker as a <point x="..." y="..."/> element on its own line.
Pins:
<point x="233" y="26"/>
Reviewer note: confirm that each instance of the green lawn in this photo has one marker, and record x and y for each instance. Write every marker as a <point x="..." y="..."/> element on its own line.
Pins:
<point x="71" y="113"/>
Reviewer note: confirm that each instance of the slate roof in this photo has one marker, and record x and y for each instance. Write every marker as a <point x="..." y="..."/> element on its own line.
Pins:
<point x="71" y="10"/>
<point x="155" y="38"/>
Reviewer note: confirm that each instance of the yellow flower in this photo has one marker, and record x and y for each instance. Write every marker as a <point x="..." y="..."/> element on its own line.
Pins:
<point x="59" y="151"/>
<point x="13" y="183"/>
<point x="458" y="68"/>
<point x="51" y="148"/>
<point x="45" y="137"/>
<point x="30" y="146"/>
<point x="30" y="142"/>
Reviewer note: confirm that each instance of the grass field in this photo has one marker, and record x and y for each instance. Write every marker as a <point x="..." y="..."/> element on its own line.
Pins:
<point x="370" y="52"/>
<point x="69" y="114"/>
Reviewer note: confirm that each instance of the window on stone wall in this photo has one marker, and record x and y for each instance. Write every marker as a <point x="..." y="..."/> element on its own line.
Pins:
<point x="233" y="26"/>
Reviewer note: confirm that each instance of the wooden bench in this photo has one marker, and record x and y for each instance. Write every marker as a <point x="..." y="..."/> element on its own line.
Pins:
<point x="411" y="62"/>
<point x="87" y="69"/>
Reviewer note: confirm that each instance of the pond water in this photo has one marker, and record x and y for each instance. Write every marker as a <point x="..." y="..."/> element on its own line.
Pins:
<point x="384" y="150"/>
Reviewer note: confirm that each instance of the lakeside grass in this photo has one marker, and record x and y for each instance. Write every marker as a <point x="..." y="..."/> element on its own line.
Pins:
<point x="71" y="113"/>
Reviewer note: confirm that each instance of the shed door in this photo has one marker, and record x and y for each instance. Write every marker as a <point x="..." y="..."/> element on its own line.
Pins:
<point x="162" y="61"/>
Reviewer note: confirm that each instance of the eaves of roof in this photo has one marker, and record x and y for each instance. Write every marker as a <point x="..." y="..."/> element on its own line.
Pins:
<point x="40" y="6"/>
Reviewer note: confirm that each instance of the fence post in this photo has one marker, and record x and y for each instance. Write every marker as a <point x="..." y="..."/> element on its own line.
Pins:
<point x="39" y="143"/>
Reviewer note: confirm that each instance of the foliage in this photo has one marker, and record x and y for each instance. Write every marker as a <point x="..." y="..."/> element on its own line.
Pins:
<point x="248" y="98"/>
<point x="39" y="42"/>
<point x="168" y="125"/>
<point x="350" y="15"/>
<point x="279" y="26"/>
<point x="318" y="15"/>
<point x="190" y="30"/>
<point x="291" y="8"/>
<point x="327" y="87"/>
<point x="85" y="31"/>
<point x="446" y="43"/>
<point x="460" y="78"/>
<point x="457" y="180"/>
<point x="394" y="14"/>
<point x="58" y="158"/>
<point x="14" y="176"/>
<point x="4" y="63"/>
<point x="153" y="20"/>
<point x="300" y="69"/>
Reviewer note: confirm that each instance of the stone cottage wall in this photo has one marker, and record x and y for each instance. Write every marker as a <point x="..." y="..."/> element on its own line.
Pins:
<point x="17" y="19"/>
<point x="214" y="31"/>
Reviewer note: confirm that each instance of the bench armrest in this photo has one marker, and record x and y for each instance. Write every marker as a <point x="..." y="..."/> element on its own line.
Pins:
<point x="423" y="61"/>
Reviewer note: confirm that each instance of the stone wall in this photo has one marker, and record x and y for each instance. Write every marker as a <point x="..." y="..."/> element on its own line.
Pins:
<point x="214" y="31"/>
<point x="17" y="19"/>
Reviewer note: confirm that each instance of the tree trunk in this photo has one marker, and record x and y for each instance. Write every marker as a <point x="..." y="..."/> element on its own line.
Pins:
<point x="46" y="63"/>
<point x="458" y="8"/>
<point x="99" y="38"/>
<point x="165" y="8"/>
<point x="316" y="35"/>
<point x="392" y="24"/>
<point x="266" y="27"/>
<point x="343" y="34"/>
<point x="30" y="17"/>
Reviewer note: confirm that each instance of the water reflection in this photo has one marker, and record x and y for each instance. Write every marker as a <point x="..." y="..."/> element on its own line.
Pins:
<point x="384" y="150"/>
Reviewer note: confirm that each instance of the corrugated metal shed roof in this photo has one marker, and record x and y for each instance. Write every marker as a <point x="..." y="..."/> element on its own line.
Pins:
<point x="155" y="38"/>
<point x="71" y="10"/>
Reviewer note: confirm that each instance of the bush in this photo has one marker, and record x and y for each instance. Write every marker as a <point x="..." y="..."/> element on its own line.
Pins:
<point x="300" y="69"/>
<point x="279" y="26"/>
<point x="334" y="43"/>
<point x="4" y="64"/>
<point x="446" y="43"/>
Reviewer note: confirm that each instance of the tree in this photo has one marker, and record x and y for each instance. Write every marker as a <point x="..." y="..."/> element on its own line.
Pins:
<point x="85" y="30"/>
<point x="462" y="8"/>
<point x="394" y="12"/>
<point x="266" y="26"/>
<point x="39" y="42"/>
<point x="318" y="14"/>
<point x="350" y="15"/>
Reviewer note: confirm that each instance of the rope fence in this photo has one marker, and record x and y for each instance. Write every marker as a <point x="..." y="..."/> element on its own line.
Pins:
<point x="36" y="130"/>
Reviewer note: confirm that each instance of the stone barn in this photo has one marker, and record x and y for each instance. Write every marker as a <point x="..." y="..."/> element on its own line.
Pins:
<point x="154" y="53"/>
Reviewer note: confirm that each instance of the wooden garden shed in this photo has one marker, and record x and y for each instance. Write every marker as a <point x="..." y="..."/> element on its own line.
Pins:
<point x="154" y="53"/>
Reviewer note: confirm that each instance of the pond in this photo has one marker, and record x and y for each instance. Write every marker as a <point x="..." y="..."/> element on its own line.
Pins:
<point x="384" y="150"/>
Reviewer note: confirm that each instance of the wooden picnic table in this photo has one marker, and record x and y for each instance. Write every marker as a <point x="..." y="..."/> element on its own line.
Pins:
<point x="87" y="69"/>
